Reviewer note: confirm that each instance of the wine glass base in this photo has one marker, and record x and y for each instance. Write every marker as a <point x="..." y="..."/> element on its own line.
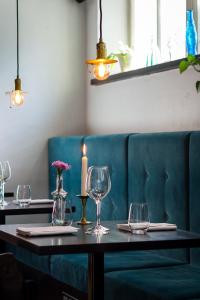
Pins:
<point x="139" y="231"/>
<point x="98" y="229"/>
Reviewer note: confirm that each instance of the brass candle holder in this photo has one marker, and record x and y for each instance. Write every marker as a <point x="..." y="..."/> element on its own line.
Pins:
<point x="83" y="220"/>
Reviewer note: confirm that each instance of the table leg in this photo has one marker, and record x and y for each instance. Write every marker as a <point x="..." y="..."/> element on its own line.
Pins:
<point x="2" y="222"/>
<point x="95" y="276"/>
<point x="2" y="219"/>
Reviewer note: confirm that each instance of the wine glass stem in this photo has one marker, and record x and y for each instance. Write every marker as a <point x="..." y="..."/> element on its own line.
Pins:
<point x="2" y="188"/>
<point x="98" y="211"/>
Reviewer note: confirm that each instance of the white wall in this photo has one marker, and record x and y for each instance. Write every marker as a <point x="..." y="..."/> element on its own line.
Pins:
<point x="160" y="102"/>
<point x="52" y="54"/>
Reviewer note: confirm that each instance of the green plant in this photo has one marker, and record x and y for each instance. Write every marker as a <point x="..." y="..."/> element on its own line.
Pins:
<point x="191" y="60"/>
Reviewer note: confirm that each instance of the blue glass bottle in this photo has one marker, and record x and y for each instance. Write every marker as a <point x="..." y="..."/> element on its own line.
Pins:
<point x="191" y="34"/>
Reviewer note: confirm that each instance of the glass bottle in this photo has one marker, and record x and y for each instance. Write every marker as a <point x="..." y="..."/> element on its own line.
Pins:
<point x="191" y="34"/>
<point x="61" y="214"/>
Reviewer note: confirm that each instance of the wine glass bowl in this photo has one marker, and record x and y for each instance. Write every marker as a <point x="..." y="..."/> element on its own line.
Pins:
<point x="6" y="170"/>
<point x="5" y="175"/>
<point x="98" y="185"/>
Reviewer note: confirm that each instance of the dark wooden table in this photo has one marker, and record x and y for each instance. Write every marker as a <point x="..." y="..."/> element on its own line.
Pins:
<point x="12" y="209"/>
<point x="96" y="246"/>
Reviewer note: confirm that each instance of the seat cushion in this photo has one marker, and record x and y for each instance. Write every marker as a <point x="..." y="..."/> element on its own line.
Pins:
<point x="166" y="283"/>
<point x="194" y="208"/>
<point x="72" y="268"/>
<point x="35" y="261"/>
<point x="110" y="150"/>
<point x="158" y="174"/>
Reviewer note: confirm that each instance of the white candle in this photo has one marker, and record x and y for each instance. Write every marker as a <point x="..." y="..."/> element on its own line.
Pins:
<point x="84" y="172"/>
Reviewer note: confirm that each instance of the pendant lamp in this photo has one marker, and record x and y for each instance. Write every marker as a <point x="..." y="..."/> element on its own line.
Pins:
<point x="17" y="95"/>
<point x="101" y="65"/>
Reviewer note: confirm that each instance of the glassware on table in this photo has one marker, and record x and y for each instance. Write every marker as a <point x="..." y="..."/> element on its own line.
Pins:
<point x="1" y="186"/>
<point x="61" y="213"/>
<point x="191" y="34"/>
<point x="138" y="218"/>
<point x="98" y="185"/>
<point x="23" y="195"/>
<point x="5" y="174"/>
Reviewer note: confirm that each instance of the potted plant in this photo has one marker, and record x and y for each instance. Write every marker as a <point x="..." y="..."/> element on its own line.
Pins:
<point x="191" y="60"/>
<point x="124" y="56"/>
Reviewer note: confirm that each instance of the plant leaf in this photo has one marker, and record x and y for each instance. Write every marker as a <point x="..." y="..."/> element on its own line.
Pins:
<point x="198" y="86"/>
<point x="196" y="62"/>
<point x="184" y="64"/>
<point x="191" y="58"/>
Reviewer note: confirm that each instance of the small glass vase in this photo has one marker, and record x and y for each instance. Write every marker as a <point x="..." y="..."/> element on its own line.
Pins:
<point x="61" y="214"/>
<point x="191" y="34"/>
<point x="125" y="61"/>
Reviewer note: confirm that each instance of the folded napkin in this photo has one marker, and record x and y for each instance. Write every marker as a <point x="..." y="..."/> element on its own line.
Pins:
<point x="37" y="201"/>
<point x="47" y="230"/>
<point x="152" y="227"/>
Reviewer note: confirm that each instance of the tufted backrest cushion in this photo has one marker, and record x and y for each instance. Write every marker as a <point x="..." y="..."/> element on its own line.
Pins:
<point x="68" y="149"/>
<point x="158" y="175"/>
<point x="194" y="158"/>
<point x="110" y="150"/>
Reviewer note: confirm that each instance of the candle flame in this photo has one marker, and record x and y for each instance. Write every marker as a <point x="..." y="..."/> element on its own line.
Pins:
<point x="84" y="150"/>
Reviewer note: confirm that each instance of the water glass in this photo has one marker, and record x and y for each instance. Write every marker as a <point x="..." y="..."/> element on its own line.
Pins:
<point x="138" y="218"/>
<point x="23" y="195"/>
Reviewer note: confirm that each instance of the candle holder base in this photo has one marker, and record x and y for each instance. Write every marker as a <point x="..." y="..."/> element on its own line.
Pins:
<point x="83" y="220"/>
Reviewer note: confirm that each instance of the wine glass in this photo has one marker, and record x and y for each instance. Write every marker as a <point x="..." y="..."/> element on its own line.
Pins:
<point x="98" y="185"/>
<point x="138" y="218"/>
<point x="5" y="174"/>
<point x="1" y="186"/>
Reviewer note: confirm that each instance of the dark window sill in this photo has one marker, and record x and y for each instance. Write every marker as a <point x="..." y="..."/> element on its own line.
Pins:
<point x="139" y="72"/>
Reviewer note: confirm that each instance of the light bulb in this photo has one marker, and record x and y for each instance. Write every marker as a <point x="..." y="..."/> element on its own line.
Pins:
<point x="101" y="71"/>
<point x="17" y="98"/>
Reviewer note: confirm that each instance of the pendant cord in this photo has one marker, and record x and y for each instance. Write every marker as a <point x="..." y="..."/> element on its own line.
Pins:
<point x="100" y="8"/>
<point x="17" y="10"/>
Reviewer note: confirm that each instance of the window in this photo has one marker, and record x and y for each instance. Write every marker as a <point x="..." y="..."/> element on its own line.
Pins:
<point x="158" y="30"/>
<point x="154" y="29"/>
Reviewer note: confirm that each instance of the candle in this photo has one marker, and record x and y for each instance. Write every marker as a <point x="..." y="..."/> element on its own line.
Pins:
<point x="84" y="172"/>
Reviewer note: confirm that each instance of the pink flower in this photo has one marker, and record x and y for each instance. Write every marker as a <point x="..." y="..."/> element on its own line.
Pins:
<point x="60" y="166"/>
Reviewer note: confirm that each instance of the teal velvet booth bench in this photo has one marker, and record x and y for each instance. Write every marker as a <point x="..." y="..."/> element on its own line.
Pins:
<point x="162" y="169"/>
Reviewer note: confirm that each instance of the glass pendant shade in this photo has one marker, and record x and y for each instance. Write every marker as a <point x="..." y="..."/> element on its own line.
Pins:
<point x="100" y="68"/>
<point x="17" y="98"/>
<point x="17" y="95"/>
<point x="101" y="71"/>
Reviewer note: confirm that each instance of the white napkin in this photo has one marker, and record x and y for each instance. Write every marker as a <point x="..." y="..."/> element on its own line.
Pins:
<point x="47" y="230"/>
<point x="152" y="227"/>
<point x="37" y="201"/>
